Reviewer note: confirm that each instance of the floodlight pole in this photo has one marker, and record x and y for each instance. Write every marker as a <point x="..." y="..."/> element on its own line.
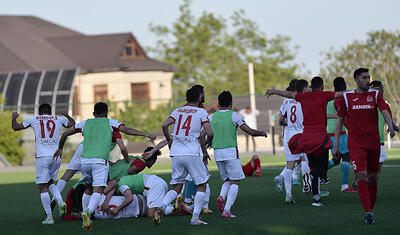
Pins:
<point x="251" y="85"/>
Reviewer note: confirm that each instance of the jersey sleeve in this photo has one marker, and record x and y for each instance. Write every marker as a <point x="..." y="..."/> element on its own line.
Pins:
<point x="210" y="117"/>
<point x="123" y="185"/>
<point x="237" y="119"/>
<point x="116" y="135"/>
<point x="28" y="122"/>
<point x="79" y="126"/>
<point x="336" y="103"/>
<point x="115" y="124"/>
<point x="329" y="95"/>
<point x="381" y="103"/>
<point x="173" y="115"/>
<point x="63" y="121"/>
<point x="204" y="116"/>
<point x="282" y="109"/>
<point x="139" y="164"/>
<point x="342" y="109"/>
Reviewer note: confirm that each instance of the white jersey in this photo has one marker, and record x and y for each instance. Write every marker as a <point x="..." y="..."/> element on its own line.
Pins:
<point x="47" y="130"/>
<point x="131" y="210"/>
<point x="188" y="123"/>
<point x="291" y="109"/>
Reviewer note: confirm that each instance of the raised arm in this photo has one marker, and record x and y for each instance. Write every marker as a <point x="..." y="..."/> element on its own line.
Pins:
<point x="251" y="131"/>
<point x="150" y="153"/>
<point x="131" y="131"/>
<point x="14" y="124"/>
<point x="287" y="94"/>
<point x="71" y="121"/>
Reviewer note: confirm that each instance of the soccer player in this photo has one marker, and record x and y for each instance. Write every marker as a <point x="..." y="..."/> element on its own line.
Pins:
<point x="185" y="151"/>
<point x="254" y="165"/>
<point x="359" y="111"/>
<point x="292" y="116"/>
<point x="339" y="84"/>
<point x="97" y="133"/>
<point x="224" y="126"/>
<point x="47" y="129"/>
<point x="314" y="140"/>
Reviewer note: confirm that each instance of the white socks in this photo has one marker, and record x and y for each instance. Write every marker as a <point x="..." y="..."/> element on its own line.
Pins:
<point x="56" y="194"/>
<point x="224" y="189"/>
<point x="207" y="198"/>
<point x="304" y="168"/>
<point x="45" y="197"/>
<point x="296" y="171"/>
<point x="61" y="184"/>
<point x="287" y="178"/>
<point x="94" y="202"/>
<point x="85" y="201"/>
<point x="198" y="204"/>
<point x="233" y="191"/>
<point x="169" y="197"/>
<point x="169" y="209"/>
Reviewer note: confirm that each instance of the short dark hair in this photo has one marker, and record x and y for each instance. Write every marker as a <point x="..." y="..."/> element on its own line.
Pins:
<point x="376" y="83"/>
<point x="359" y="71"/>
<point x="100" y="108"/>
<point x="154" y="156"/>
<point x="45" y="109"/>
<point x="192" y="95"/>
<point x="292" y="85"/>
<point x="199" y="87"/>
<point x="300" y="85"/>
<point x="225" y="99"/>
<point x="339" y="84"/>
<point x="316" y="83"/>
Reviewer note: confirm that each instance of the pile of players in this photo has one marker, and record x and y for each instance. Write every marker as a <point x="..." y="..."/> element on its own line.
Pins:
<point x="307" y="137"/>
<point x="116" y="190"/>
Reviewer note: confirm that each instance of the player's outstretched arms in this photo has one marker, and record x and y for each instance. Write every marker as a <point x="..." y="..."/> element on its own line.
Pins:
<point x="131" y="131"/>
<point x="252" y="132"/>
<point x="14" y="124"/>
<point x="124" y="151"/>
<point x="68" y="132"/>
<point x="71" y="121"/>
<point x="150" y="153"/>
<point x="287" y="94"/>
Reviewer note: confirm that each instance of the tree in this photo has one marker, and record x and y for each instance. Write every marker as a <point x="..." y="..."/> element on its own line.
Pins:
<point x="210" y="52"/>
<point x="380" y="52"/>
<point x="10" y="140"/>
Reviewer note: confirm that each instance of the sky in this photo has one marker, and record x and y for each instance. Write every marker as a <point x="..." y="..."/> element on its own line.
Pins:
<point x="313" y="25"/>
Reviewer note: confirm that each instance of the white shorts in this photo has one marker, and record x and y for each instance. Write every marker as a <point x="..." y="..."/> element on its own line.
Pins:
<point x="230" y="169"/>
<point x="189" y="178"/>
<point x="155" y="190"/>
<point x="383" y="156"/>
<point x="131" y="210"/>
<point x="184" y="165"/>
<point x="95" y="173"/>
<point x="75" y="163"/>
<point x="289" y="155"/>
<point x="47" y="169"/>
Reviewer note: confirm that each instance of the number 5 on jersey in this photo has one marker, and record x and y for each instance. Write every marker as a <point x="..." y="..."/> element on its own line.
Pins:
<point x="186" y="124"/>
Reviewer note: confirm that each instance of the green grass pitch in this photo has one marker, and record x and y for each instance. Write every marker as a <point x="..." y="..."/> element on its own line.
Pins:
<point x="259" y="208"/>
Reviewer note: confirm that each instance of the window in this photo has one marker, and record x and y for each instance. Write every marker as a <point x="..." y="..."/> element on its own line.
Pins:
<point x="100" y="93"/>
<point x="131" y="50"/>
<point x="128" y="50"/>
<point x="140" y="93"/>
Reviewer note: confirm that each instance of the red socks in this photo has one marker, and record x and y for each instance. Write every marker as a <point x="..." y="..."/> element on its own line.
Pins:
<point x="258" y="164"/>
<point x="373" y="191"/>
<point x="364" y="194"/>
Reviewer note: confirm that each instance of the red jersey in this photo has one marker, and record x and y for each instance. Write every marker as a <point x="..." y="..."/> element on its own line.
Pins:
<point x="361" y="115"/>
<point x="313" y="105"/>
<point x="139" y="164"/>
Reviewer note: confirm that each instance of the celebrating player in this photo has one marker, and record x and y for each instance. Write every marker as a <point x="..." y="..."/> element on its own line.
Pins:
<point x="358" y="110"/>
<point x="47" y="129"/>
<point x="314" y="140"/>
<point x="224" y="125"/>
<point x="185" y="151"/>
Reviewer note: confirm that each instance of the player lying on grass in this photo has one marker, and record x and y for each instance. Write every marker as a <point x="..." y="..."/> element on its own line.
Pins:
<point x="47" y="130"/>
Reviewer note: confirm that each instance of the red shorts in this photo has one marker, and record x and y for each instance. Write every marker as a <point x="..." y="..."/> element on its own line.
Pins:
<point x="365" y="159"/>
<point x="309" y="143"/>
<point x="248" y="169"/>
